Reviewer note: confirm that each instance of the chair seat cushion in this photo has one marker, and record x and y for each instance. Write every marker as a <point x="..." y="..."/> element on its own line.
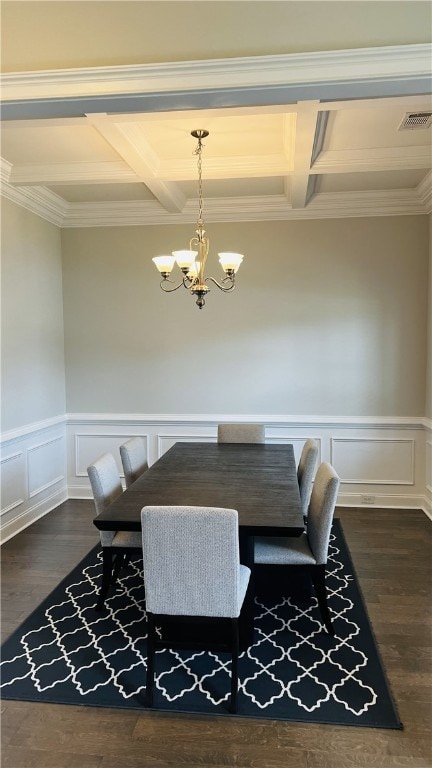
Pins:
<point x="127" y="539"/>
<point x="284" y="550"/>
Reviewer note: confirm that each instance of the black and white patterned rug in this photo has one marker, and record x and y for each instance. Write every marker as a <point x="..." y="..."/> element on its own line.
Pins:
<point x="67" y="653"/>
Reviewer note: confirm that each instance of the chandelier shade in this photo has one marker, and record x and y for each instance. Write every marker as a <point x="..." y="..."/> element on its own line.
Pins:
<point x="192" y="263"/>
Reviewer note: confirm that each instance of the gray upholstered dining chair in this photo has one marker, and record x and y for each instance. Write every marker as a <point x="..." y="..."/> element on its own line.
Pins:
<point x="310" y="550"/>
<point x="241" y="433"/>
<point x="134" y="459"/>
<point x="106" y="486"/>
<point x="192" y="569"/>
<point x="305" y="473"/>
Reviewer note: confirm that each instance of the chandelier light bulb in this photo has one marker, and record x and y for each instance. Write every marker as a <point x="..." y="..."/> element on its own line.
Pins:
<point x="164" y="264"/>
<point x="230" y="261"/>
<point x="184" y="259"/>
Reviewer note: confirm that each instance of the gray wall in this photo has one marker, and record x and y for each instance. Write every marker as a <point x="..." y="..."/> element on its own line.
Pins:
<point x="428" y="407"/>
<point x="329" y="318"/>
<point x="32" y="381"/>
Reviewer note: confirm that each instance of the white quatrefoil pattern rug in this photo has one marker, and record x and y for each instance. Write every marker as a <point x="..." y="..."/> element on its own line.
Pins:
<point x="68" y="653"/>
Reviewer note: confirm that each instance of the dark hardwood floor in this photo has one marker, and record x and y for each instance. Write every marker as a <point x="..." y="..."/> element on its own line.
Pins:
<point x="391" y="550"/>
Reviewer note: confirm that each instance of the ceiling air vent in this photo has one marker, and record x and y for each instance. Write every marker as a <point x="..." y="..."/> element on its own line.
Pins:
<point x="416" y="121"/>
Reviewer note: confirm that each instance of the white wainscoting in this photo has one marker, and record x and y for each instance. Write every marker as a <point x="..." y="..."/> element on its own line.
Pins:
<point x="373" y="461"/>
<point x="33" y="473"/>
<point x="381" y="462"/>
<point x="428" y="467"/>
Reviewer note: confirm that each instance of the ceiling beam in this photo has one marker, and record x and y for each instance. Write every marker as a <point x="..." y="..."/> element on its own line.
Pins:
<point x="129" y="141"/>
<point x="303" y="147"/>
<point x="72" y="173"/>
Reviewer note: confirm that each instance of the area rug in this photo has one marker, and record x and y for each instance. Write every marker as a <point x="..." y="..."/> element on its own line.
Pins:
<point x="67" y="653"/>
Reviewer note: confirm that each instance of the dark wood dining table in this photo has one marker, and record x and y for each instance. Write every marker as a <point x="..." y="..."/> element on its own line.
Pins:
<point x="258" y="480"/>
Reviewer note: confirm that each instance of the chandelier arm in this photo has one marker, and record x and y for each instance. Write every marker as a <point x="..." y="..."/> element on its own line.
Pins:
<point x="176" y="287"/>
<point x="221" y="287"/>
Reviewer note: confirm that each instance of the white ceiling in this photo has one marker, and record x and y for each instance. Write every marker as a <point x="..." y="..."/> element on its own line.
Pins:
<point x="286" y="161"/>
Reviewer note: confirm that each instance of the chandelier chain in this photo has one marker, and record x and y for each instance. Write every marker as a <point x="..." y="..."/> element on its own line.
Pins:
<point x="198" y="153"/>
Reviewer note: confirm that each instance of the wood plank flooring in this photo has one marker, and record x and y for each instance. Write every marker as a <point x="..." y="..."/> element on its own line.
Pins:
<point x="391" y="550"/>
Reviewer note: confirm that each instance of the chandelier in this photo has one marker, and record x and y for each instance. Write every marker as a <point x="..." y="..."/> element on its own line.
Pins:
<point x="192" y="262"/>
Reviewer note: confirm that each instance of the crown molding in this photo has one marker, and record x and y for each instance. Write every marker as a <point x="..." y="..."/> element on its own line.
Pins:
<point x="324" y="205"/>
<point x="399" y="63"/>
<point x="371" y="159"/>
<point x="243" y="209"/>
<point x="424" y="192"/>
<point x="38" y="200"/>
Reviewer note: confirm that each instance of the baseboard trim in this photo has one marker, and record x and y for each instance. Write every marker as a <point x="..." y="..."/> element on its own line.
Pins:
<point x="79" y="492"/>
<point x="32" y="514"/>
<point x="383" y="501"/>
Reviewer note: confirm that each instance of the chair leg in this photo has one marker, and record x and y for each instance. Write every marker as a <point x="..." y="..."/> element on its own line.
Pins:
<point x="118" y="565"/>
<point x="318" y="577"/>
<point x="106" y="576"/>
<point x="150" y="659"/>
<point x="234" y="666"/>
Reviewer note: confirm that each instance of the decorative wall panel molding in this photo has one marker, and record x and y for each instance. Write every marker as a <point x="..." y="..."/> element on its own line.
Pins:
<point x="33" y="473"/>
<point x="89" y="447"/>
<point x="13" y="481"/>
<point x="165" y="442"/>
<point x="429" y="467"/>
<point x="378" y="461"/>
<point x="396" y="445"/>
<point x="45" y="465"/>
<point x="297" y="442"/>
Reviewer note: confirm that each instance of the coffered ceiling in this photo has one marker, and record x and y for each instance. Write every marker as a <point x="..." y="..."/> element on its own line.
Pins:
<point x="291" y="135"/>
<point x="303" y="160"/>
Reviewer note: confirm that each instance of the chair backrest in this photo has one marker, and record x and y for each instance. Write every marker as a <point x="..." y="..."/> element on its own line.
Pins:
<point x="321" y="509"/>
<point x="191" y="561"/>
<point x="105" y="481"/>
<point x="241" y="433"/>
<point x="305" y="472"/>
<point x="134" y="459"/>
